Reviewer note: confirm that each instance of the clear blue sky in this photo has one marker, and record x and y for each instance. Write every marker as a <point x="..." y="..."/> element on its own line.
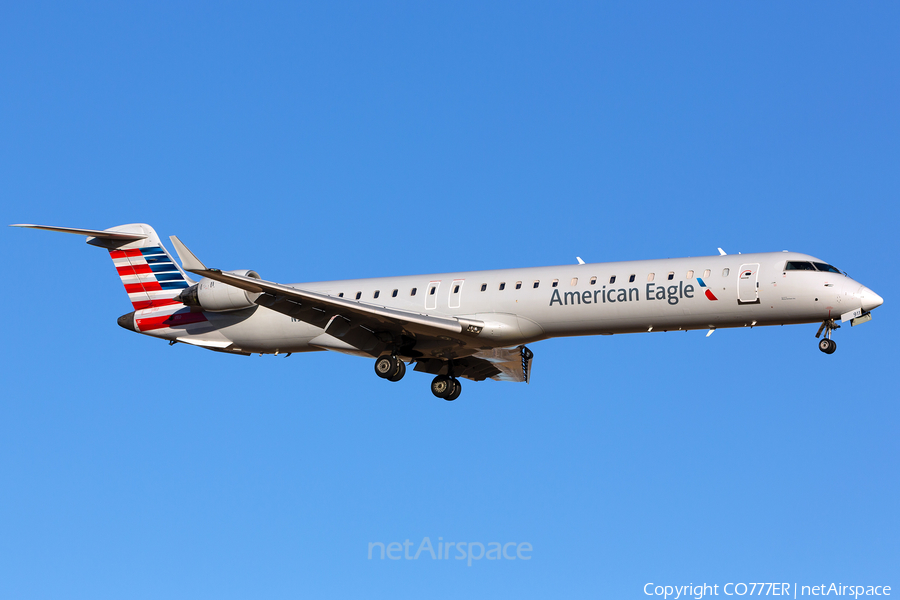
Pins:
<point x="315" y="142"/>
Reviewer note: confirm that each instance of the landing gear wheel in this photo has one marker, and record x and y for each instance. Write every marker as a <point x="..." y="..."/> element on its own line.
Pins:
<point x="457" y="390"/>
<point x="827" y="346"/>
<point x="442" y="386"/>
<point x="400" y="372"/>
<point x="388" y="366"/>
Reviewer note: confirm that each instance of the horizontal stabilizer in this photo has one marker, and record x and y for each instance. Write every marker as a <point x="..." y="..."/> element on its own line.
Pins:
<point x="150" y="276"/>
<point x="104" y="235"/>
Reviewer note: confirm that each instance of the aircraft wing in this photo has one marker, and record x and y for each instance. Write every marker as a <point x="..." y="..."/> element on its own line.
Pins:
<point x="367" y="327"/>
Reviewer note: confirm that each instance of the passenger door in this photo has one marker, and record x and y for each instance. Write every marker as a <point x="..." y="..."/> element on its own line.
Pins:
<point x="431" y="295"/>
<point x="748" y="284"/>
<point x="455" y="293"/>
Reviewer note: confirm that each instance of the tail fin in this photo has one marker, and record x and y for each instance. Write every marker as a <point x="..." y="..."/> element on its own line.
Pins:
<point x="150" y="276"/>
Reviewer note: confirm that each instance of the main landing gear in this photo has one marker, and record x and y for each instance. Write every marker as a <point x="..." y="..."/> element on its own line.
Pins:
<point x="390" y="368"/>
<point x="826" y="344"/>
<point x="446" y="387"/>
<point x="393" y="369"/>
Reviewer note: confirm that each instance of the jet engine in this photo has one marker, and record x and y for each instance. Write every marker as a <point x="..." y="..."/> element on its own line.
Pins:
<point x="216" y="296"/>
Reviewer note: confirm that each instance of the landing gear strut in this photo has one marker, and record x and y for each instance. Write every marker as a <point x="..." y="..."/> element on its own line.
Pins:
<point x="446" y="387"/>
<point x="826" y="344"/>
<point x="390" y="368"/>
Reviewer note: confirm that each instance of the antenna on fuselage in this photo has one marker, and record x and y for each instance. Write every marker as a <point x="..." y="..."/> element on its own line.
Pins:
<point x="722" y="252"/>
<point x="580" y="262"/>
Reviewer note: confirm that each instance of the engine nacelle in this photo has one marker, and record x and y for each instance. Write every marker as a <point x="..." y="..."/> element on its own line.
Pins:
<point x="216" y="296"/>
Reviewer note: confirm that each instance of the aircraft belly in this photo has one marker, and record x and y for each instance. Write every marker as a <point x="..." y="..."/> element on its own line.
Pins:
<point x="263" y="330"/>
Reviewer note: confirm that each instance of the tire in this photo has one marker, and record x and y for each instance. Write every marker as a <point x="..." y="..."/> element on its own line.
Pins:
<point x="825" y="345"/>
<point x="456" y="391"/>
<point x="387" y="366"/>
<point x="441" y="386"/>
<point x="833" y="347"/>
<point x="401" y="371"/>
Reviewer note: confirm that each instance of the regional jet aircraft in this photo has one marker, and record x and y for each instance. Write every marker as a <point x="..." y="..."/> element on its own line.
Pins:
<point x="470" y="325"/>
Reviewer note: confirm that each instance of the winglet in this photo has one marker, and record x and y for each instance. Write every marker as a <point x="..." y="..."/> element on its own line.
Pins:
<point x="188" y="261"/>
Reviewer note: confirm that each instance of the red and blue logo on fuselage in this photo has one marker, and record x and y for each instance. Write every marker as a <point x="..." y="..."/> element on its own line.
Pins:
<point x="706" y="290"/>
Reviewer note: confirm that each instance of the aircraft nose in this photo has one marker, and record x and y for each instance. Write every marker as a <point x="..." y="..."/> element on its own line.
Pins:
<point x="868" y="299"/>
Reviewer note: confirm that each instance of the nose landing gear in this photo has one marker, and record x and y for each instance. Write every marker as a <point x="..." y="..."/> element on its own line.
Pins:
<point x="826" y="344"/>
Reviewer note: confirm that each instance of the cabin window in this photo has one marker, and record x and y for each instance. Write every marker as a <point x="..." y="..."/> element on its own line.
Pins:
<point x="796" y="265"/>
<point x="827" y="268"/>
<point x="394" y="293"/>
<point x="455" y="289"/>
<point x="650" y="276"/>
<point x="631" y="278"/>
<point x="690" y="274"/>
<point x="412" y="292"/>
<point x="555" y="282"/>
<point x="358" y="295"/>
<point x="612" y="279"/>
<point x="375" y="295"/>
<point x="518" y="285"/>
<point x="432" y="290"/>
<point x="671" y="275"/>
<point x="341" y="295"/>
<point x="502" y="286"/>
<point x="483" y="287"/>
<point x="574" y="281"/>
<point x="536" y="284"/>
<point x="725" y="272"/>
<point x="706" y="273"/>
<point x="593" y="280"/>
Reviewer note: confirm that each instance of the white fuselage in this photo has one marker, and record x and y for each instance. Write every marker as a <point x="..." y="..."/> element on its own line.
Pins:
<point x="519" y="306"/>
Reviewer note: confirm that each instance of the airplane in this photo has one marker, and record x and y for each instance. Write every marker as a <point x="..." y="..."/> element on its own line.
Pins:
<point x="472" y="325"/>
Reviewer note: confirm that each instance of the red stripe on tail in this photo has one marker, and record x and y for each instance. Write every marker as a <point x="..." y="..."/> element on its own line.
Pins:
<point x="178" y="319"/>
<point x="124" y="253"/>
<point x="147" y="286"/>
<point x="134" y="270"/>
<point x="142" y="304"/>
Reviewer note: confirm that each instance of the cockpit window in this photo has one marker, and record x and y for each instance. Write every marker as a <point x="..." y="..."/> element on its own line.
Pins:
<point x="827" y="268"/>
<point x="796" y="265"/>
